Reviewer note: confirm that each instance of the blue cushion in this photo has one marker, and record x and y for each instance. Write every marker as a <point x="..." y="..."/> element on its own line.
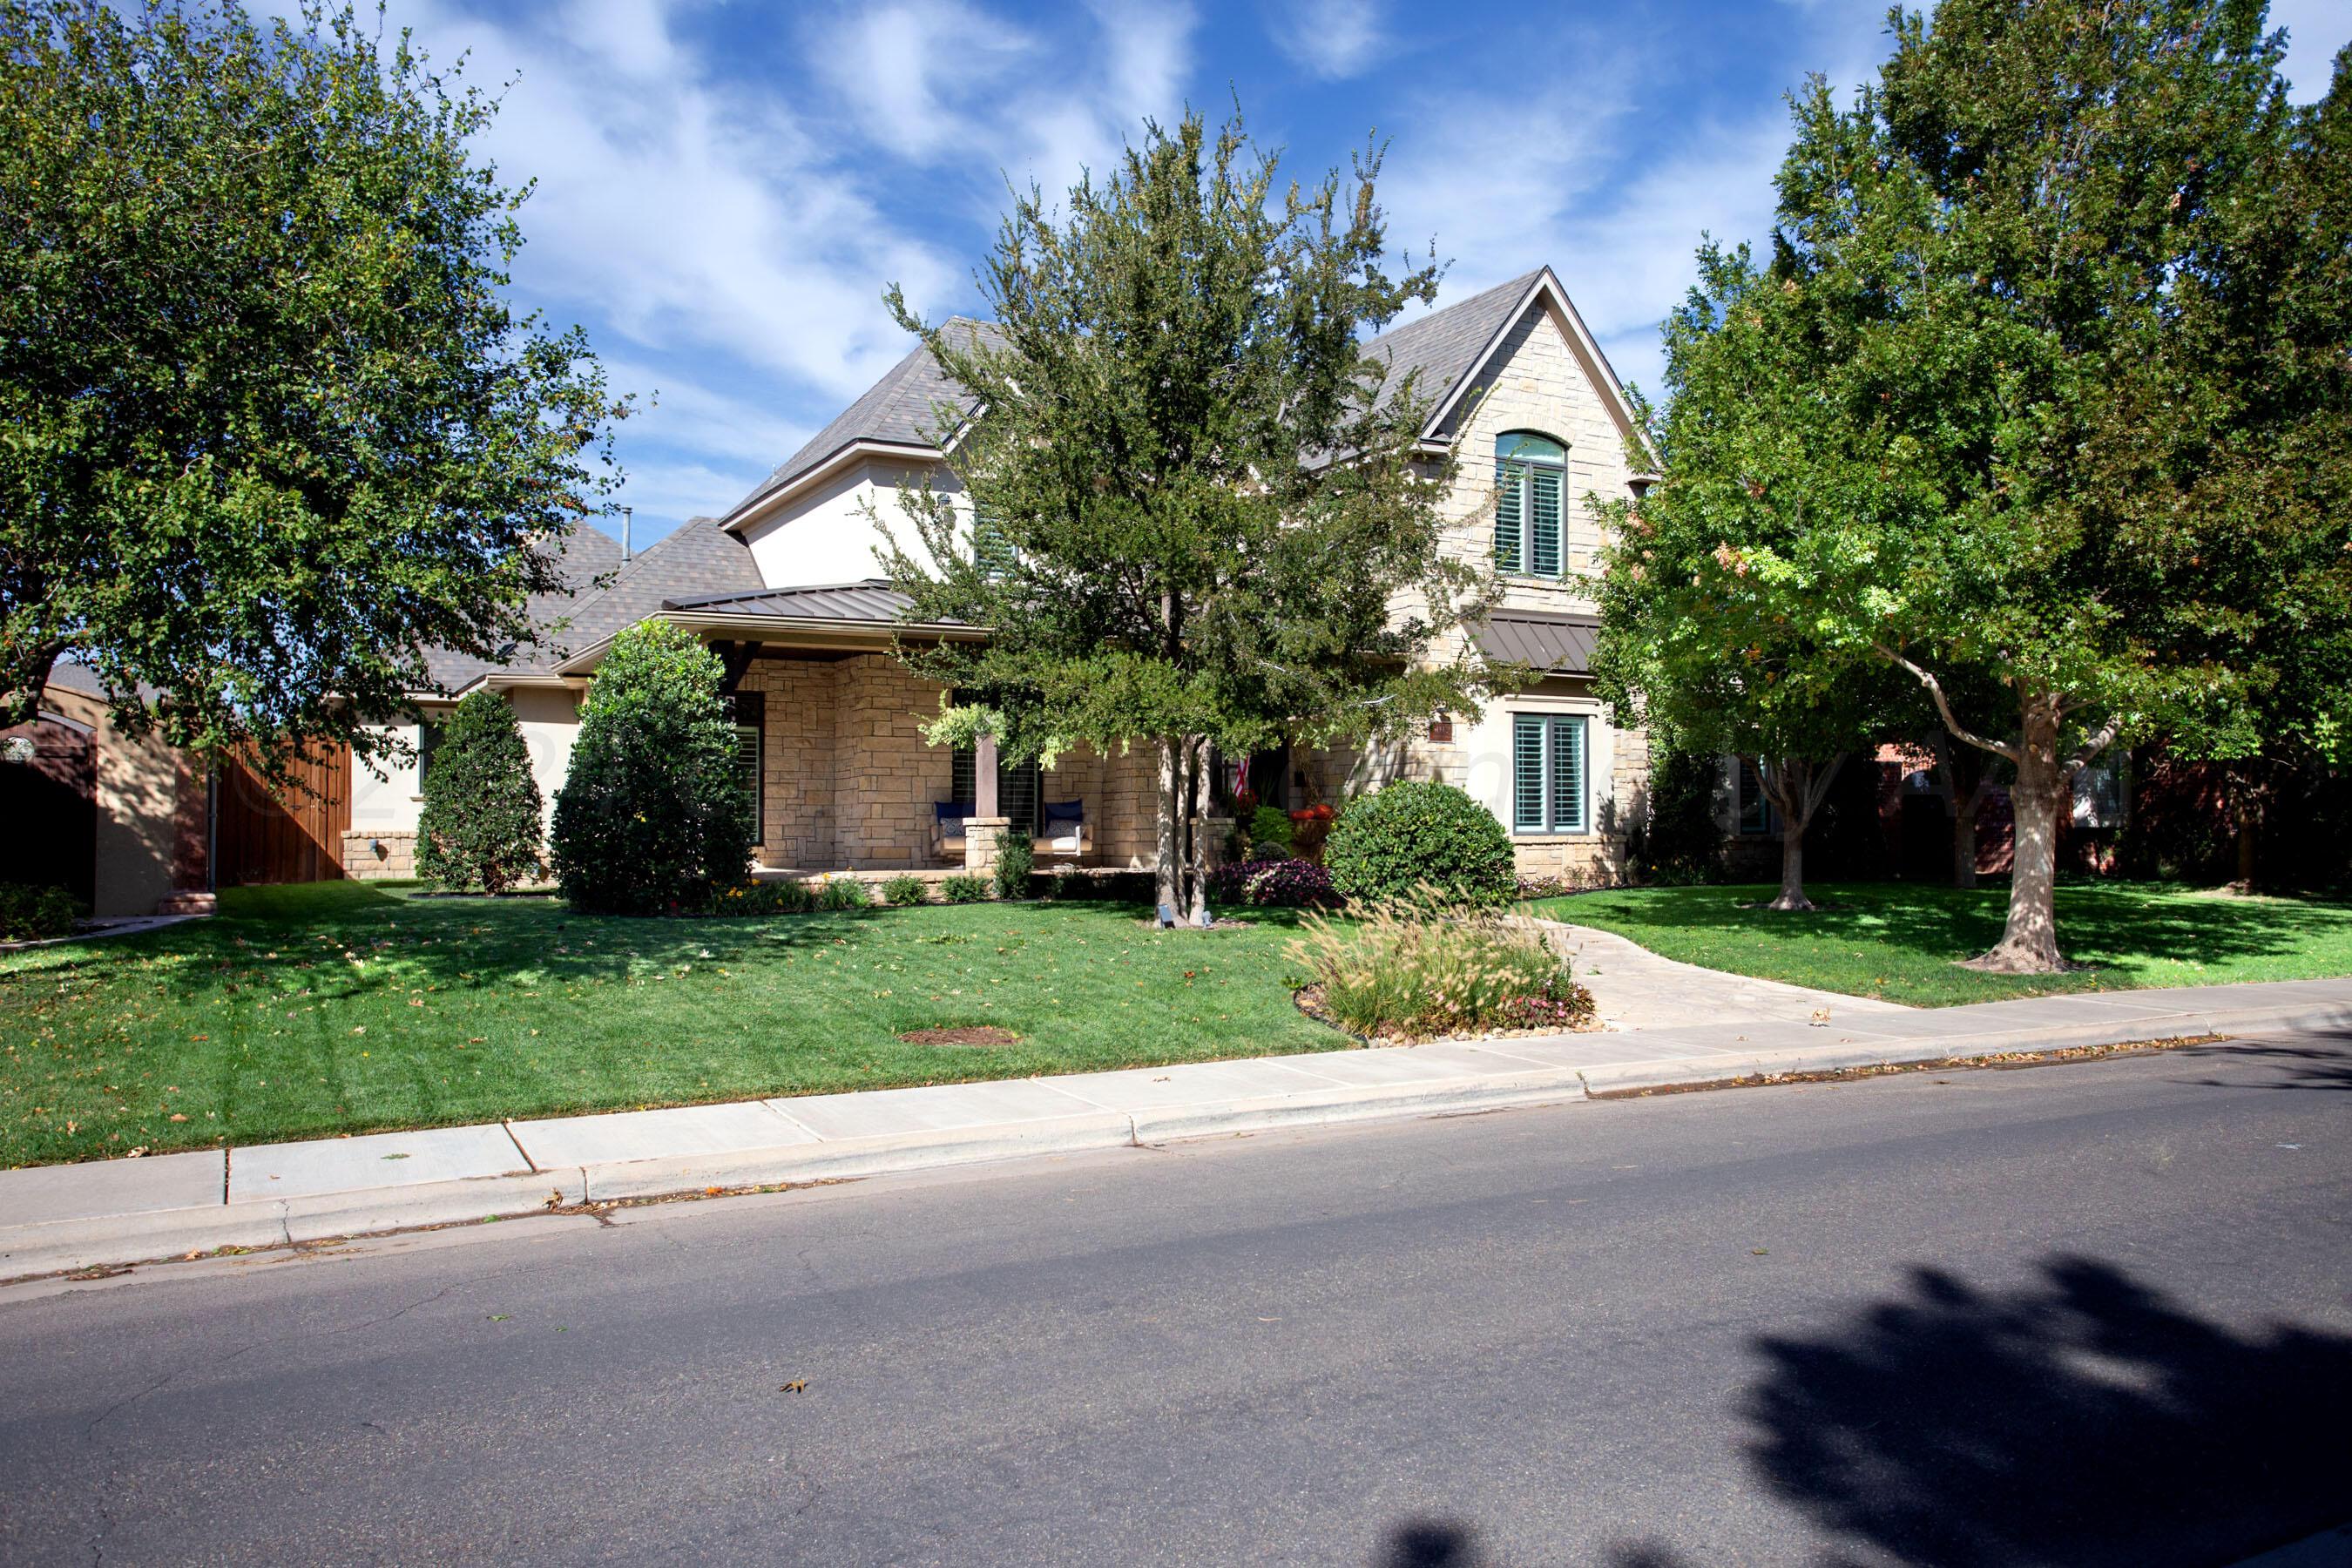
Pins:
<point x="1065" y="811"/>
<point x="951" y="810"/>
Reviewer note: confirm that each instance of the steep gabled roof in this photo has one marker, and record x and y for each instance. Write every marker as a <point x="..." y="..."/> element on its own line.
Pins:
<point x="587" y="555"/>
<point x="900" y="410"/>
<point x="1448" y="343"/>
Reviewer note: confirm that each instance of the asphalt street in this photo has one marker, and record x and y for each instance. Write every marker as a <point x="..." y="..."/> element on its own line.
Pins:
<point x="2085" y="1314"/>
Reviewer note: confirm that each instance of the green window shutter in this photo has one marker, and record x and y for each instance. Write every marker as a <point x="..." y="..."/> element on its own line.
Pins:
<point x="429" y="741"/>
<point x="1508" y="520"/>
<point x="1543" y="506"/>
<point x="991" y="551"/>
<point x="1527" y="772"/>
<point x="1568" y="770"/>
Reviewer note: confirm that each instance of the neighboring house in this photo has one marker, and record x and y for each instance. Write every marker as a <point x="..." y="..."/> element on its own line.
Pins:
<point x="783" y="587"/>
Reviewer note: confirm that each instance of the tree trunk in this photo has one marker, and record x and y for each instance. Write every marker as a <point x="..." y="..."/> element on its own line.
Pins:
<point x="1964" y="841"/>
<point x="1167" y="875"/>
<point x="1792" y="870"/>
<point x="25" y="706"/>
<point x="2029" y="945"/>
<point x="1796" y="786"/>
<point x="1197" y="866"/>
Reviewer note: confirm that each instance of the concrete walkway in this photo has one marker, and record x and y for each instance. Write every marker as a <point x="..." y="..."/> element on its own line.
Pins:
<point x="116" y="1211"/>
<point x="1634" y="988"/>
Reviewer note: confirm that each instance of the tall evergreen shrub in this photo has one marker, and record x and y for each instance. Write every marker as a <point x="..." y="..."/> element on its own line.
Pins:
<point x="652" y="816"/>
<point x="480" y="826"/>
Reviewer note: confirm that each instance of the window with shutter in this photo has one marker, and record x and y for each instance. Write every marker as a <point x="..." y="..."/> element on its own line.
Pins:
<point x="1530" y="486"/>
<point x="1527" y="772"/>
<point x="1020" y="787"/>
<point x="751" y="715"/>
<point x="991" y="551"/>
<point x="1548" y="772"/>
<point x="1756" y="812"/>
<point x="1543" y="522"/>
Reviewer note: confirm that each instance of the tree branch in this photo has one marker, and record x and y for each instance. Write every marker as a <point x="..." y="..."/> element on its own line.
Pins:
<point x="2099" y="741"/>
<point x="1944" y="705"/>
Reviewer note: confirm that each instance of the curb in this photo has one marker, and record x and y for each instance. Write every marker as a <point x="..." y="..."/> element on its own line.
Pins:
<point x="112" y="1241"/>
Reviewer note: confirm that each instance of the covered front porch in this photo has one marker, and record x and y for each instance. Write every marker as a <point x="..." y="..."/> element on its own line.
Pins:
<point x="830" y="727"/>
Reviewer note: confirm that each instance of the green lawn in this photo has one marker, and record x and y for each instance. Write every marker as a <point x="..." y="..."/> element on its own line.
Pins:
<point x="1902" y="941"/>
<point x="309" y="1011"/>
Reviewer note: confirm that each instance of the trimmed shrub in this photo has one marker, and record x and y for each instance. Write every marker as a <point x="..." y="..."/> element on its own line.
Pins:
<point x="964" y="888"/>
<point x="839" y="894"/>
<point x="31" y="913"/>
<point x="652" y="816"/>
<point x="1016" y="856"/>
<point x="1285" y="884"/>
<point x="1416" y="974"/>
<point x="904" y="891"/>
<point x="1269" y="829"/>
<point x="480" y="826"/>
<point x="1415" y="839"/>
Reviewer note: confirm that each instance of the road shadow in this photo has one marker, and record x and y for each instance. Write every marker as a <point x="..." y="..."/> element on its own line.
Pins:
<point x="2082" y="1419"/>
<point x="2320" y="1059"/>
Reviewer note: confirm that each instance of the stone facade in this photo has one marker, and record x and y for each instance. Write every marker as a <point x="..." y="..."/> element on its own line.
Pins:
<point x="386" y="855"/>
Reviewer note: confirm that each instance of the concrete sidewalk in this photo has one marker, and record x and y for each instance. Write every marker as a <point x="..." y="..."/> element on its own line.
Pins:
<point x="119" y="1211"/>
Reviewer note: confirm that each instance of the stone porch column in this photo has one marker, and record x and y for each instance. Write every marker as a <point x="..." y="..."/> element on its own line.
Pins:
<point x="980" y="837"/>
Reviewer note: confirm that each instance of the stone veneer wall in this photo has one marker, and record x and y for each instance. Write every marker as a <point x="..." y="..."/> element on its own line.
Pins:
<point x="887" y="777"/>
<point x="363" y="863"/>
<point x="798" y="789"/>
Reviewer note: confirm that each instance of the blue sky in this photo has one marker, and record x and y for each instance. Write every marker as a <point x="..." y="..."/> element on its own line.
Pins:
<point x="724" y="189"/>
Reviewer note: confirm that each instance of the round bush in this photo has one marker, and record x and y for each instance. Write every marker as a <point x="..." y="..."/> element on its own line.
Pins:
<point x="480" y="826"/>
<point x="652" y="815"/>
<point x="1389" y="846"/>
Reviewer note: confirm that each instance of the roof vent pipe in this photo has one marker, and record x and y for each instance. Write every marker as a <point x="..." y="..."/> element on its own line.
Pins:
<point x="625" y="513"/>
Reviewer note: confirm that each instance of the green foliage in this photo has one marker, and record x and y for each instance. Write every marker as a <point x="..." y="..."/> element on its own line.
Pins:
<point x="783" y="897"/>
<point x="29" y="913"/>
<point x="2040" y="400"/>
<point x="1173" y="557"/>
<point x="839" y="895"/>
<point x="1017" y="857"/>
<point x="963" y="889"/>
<point x="1270" y="831"/>
<point x="1681" y="841"/>
<point x="480" y="826"/>
<point x="274" y="426"/>
<point x="905" y="891"/>
<point x="1417" y="973"/>
<point x="651" y="817"/>
<point x="1416" y="839"/>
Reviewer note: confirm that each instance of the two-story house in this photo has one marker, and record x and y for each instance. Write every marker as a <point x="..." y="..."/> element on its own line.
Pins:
<point x="782" y="587"/>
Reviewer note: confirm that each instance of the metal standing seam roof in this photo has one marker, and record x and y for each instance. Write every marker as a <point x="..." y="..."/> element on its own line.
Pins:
<point x="872" y="599"/>
<point x="1552" y="641"/>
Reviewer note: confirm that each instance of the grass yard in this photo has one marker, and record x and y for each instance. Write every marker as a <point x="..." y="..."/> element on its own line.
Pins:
<point x="303" y="1012"/>
<point x="1901" y="940"/>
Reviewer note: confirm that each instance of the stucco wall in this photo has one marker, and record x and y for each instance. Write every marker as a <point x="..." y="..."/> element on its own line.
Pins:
<point x="826" y="535"/>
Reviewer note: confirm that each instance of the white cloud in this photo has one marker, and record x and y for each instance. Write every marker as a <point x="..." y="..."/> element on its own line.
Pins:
<point x="1334" y="39"/>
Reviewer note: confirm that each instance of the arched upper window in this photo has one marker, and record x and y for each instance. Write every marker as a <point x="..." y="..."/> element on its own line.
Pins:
<point x="1530" y="476"/>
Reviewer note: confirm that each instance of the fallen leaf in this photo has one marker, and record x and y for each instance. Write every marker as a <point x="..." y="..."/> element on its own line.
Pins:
<point x="1759" y="1251"/>
<point x="797" y="1386"/>
<point x="500" y="1317"/>
<point x="178" y="1116"/>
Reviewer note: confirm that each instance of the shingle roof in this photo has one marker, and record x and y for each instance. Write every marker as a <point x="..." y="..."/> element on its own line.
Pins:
<point x="1554" y="642"/>
<point x="1445" y="345"/>
<point x="695" y="559"/>
<point x="871" y="600"/>
<point x="902" y="409"/>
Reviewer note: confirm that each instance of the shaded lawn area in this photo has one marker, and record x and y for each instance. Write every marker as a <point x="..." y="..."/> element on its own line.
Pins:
<point x="1902" y="941"/>
<point x="303" y="1012"/>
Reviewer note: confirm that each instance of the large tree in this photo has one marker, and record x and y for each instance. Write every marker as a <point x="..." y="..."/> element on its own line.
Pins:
<point x="1204" y="522"/>
<point x="1696" y="642"/>
<point x="2037" y="467"/>
<point x="271" y="427"/>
